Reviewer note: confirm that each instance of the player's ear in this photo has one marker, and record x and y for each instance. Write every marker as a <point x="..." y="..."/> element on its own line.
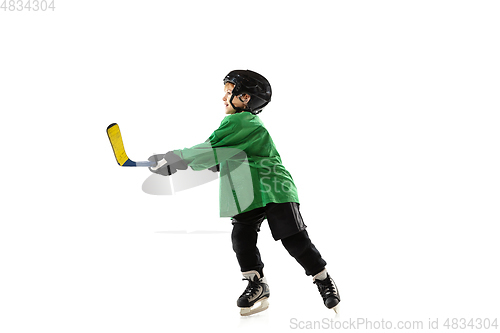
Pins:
<point x="245" y="98"/>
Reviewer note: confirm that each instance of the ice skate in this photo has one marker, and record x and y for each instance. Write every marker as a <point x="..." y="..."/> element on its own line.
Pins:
<point x="254" y="298"/>
<point x="328" y="290"/>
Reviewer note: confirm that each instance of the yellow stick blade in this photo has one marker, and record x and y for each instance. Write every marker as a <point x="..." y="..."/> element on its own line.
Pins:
<point x="115" y="137"/>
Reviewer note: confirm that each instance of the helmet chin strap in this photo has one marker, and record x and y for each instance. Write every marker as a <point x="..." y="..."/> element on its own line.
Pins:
<point x="236" y="108"/>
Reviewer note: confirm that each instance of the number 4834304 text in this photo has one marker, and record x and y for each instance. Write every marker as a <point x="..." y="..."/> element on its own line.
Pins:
<point x="27" y="5"/>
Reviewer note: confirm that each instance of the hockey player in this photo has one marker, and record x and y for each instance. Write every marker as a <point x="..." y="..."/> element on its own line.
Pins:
<point x="254" y="186"/>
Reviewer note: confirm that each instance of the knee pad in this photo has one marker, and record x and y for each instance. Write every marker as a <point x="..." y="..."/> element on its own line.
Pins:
<point x="297" y="244"/>
<point x="243" y="237"/>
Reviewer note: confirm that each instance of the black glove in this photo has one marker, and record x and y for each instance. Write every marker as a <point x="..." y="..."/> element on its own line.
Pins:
<point x="215" y="168"/>
<point x="174" y="163"/>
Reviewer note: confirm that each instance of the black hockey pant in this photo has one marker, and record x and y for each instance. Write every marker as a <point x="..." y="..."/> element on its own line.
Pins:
<point x="299" y="245"/>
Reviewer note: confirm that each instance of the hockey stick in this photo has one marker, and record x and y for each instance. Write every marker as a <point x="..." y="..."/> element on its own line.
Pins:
<point x="115" y="138"/>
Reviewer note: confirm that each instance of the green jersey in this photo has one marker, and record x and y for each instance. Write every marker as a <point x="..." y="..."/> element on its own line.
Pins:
<point x="251" y="172"/>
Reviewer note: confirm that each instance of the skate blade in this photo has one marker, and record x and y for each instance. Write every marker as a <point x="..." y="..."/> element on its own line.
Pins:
<point x="260" y="306"/>
<point x="336" y="308"/>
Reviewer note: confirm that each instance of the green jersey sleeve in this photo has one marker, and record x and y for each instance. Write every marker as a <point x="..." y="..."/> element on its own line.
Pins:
<point x="225" y="142"/>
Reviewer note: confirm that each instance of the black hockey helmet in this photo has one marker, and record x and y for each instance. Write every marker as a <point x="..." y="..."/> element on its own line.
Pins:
<point x="253" y="84"/>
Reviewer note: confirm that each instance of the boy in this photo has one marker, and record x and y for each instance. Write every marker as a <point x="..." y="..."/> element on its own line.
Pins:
<point x="254" y="185"/>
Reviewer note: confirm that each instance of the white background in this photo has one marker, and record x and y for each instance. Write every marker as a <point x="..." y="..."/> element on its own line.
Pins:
<point x="386" y="113"/>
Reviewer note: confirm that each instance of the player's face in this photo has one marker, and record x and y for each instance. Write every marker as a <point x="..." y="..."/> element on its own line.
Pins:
<point x="228" y="90"/>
